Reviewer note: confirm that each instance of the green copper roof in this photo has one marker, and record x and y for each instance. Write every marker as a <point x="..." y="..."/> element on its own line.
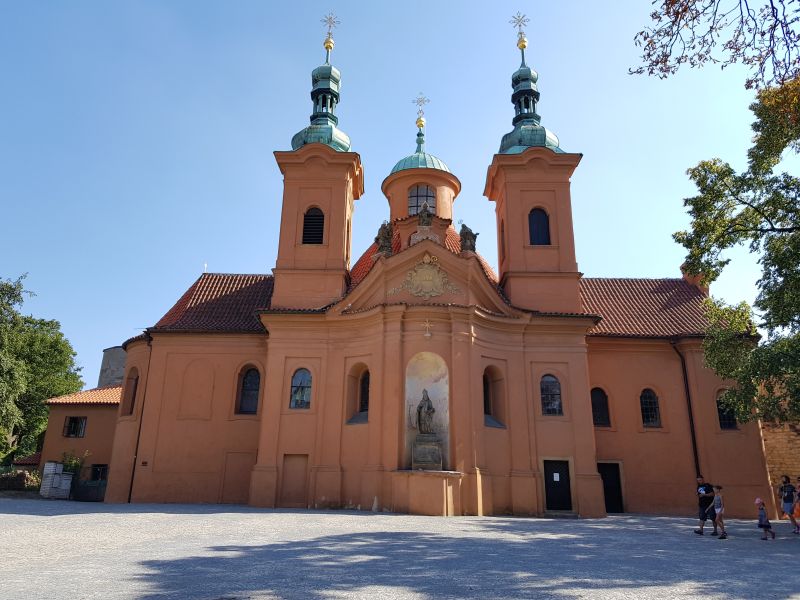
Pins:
<point x="420" y="159"/>
<point x="528" y="131"/>
<point x="325" y="83"/>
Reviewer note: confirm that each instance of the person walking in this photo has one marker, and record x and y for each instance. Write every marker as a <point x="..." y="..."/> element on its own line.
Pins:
<point x="787" y="495"/>
<point x="705" y="502"/>
<point x="719" y="509"/>
<point x="763" y="521"/>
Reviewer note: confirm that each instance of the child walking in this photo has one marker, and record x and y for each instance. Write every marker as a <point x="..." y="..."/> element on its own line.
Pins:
<point x="719" y="508"/>
<point x="763" y="521"/>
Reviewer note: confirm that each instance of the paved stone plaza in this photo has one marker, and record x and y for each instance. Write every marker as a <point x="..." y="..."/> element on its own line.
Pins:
<point x="58" y="549"/>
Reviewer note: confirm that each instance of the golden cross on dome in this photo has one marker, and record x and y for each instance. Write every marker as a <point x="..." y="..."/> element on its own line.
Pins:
<point x="420" y="101"/>
<point x="519" y="21"/>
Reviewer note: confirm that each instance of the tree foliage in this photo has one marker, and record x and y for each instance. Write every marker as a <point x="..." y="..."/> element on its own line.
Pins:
<point x="36" y="363"/>
<point x="760" y="209"/>
<point x="760" y="35"/>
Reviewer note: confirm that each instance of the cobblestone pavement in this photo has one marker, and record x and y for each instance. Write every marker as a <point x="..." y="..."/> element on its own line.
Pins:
<point x="58" y="549"/>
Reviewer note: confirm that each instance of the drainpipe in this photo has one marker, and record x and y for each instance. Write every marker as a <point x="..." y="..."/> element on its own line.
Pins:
<point x="141" y="418"/>
<point x="674" y="343"/>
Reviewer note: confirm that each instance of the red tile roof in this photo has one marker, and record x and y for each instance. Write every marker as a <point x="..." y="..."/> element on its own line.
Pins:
<point x="644" y="307"/>
<point x="452" y="242"/>
<point x="110" y="394"/>
<point x="220" y="302"/>
<point x="28" y="461"/>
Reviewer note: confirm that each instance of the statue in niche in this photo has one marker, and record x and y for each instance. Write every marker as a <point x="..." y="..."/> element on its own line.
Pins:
<point x="425" y="216"/>
<point x="468" y="238"/>
<point x="425" y="412"/>
<point x="384" y="238"/>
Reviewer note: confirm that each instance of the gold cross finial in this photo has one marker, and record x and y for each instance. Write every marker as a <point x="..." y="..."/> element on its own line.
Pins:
<point x="330" y="21"/>
<point x="420" y="101"/>
<point x="520" y="21"/>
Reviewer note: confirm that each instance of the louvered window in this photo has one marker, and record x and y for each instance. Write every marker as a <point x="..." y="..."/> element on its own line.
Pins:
<point x="313" y="226"/>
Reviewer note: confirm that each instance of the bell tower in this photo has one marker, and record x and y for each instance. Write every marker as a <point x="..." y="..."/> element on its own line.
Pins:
<point x="529" y="181"/>
<point x="321" y="181"/>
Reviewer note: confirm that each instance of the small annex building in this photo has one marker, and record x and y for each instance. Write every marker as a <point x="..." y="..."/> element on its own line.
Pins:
<point x="416" y="377"/>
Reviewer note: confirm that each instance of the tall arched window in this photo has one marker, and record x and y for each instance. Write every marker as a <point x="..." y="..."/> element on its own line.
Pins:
<point x="551" y="396"/>
<point x="502" y="240"/>
<point x="313" y="226"/>
<point x="129" y="395"/>
<point x="487" y="394"/>
<point x="600" y="414"/>
<point x="726" y="416"/>
<point x="494" y="410"/>
<point x="419" y="195"/>
<point x="651" y="415"/>
<point x="363" y="392"/>
<point x="539" y="227"/>
<point x="301" y="389"/>
<point x="249" y="385"/>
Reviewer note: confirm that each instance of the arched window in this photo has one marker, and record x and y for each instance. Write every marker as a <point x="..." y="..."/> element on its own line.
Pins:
<point x="600" y="414"/>
<point x="487" y="394"/>
<point x="419" y="195"/>
<point x="494" y="413"/>
<point x="727" y="418"/>
<point x="539" y="227"/>
<point x="502" y="240"/>
<point x="551" y="396"/>
<point x="249" y="385"/>
<point x="651" y="415"/>
<point x="363" y="392"/>
<point x="301" y="389"/>
<point x="313" y="226"/>
<point x="129" y="395"/>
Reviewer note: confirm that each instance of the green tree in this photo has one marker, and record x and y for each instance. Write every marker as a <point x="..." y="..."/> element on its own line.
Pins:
<point x="760" y="209"/>
<point x="36" y="363"/>
<point x="760" y="35"/>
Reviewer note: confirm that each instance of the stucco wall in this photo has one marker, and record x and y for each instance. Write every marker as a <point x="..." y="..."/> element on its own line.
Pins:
<point x="98" y="436"/>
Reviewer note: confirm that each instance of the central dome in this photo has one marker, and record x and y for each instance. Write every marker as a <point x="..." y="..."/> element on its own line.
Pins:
<point x="420" y="160"/>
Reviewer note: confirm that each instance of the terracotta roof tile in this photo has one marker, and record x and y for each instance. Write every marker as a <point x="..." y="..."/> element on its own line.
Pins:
<point x="644" y="307"/>
<point x="28" y="461"/>
<point x="223" y="302"/>
<point x="111" y="394"/>
<point x="452" y="242"/>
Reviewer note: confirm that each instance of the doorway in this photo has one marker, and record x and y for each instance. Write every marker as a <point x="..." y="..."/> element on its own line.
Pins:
<point x="293" y="481"/>
<point x="557" y="492"/>
<point x="612" y="486"/>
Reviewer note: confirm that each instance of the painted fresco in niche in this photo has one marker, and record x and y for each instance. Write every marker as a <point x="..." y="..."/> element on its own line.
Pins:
<point x="428" y="371"/>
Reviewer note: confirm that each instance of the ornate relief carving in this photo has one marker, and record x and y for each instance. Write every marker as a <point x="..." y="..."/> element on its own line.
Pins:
<point x="426" y="280"/>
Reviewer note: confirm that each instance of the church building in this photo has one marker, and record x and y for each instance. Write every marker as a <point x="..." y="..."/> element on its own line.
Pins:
<point x="416" y="378"/>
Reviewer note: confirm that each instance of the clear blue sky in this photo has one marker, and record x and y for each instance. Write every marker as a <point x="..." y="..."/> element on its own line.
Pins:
<point x="136" y="138"/>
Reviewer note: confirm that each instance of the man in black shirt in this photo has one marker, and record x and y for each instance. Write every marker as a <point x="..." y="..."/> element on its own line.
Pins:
<point x="705" y="501"/>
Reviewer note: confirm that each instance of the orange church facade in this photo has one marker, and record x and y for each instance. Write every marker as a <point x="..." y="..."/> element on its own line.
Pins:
<point x="415" y="378"/>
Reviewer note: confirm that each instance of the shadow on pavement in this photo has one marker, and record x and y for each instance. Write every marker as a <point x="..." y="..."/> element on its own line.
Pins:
<point x="531" y="559"/>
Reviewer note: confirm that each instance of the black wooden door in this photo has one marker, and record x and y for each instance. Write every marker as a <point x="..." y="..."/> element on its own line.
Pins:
<point x="556" y="485"/>
<point x="612" y="486"/>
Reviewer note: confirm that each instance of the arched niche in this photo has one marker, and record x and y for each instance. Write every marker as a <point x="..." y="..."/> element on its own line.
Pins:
<point x="428" y="371"/>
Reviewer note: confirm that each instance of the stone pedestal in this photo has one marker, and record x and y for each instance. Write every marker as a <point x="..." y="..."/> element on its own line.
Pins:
<point x="426" y="453"/>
